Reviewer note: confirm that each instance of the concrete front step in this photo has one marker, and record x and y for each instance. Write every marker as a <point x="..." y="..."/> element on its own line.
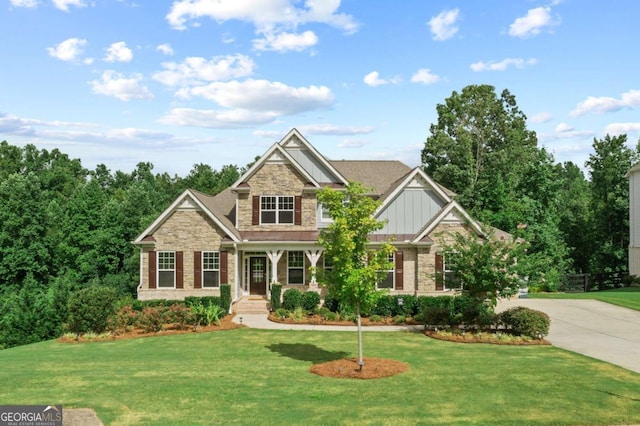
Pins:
<point x="252" y="305"/>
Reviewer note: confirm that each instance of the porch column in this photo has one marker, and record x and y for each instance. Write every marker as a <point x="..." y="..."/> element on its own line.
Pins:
<point x="274" y="257"/>
<point x="313" y="256"/>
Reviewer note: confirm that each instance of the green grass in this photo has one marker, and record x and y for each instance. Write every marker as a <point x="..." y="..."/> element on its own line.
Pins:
<point x="248" y="376"/>
<point x="626" y="297"/>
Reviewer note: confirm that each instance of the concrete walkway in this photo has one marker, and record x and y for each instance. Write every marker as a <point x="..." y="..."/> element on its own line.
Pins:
<point x="261" y="321"/>
<point x="590" y="327"/>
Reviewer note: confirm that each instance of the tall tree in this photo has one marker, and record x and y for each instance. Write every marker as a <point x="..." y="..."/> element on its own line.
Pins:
<point x="356" y="266"/>
<point x="481" y="149"/>
<point x="607" y="167"/>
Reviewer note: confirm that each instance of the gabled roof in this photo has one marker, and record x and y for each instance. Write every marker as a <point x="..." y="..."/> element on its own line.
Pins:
<point x="452" y="208"/>
<point x="202" y="201"/>
<point x="405" y="181"/>
<point x="295" y="135"/>
<point x="376" y="175"/>
<point x="278" y="152"/>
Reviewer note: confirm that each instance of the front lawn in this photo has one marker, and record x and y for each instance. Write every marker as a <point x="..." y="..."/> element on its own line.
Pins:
<point x="248" y="376"/>
<point x="627" y="297"/>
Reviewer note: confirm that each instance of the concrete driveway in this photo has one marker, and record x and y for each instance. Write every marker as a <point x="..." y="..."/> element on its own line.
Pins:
<point x="590" y="327"/>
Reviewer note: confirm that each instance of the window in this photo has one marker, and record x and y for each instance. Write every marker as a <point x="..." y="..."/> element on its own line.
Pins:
<point x="210" y="269"/>
<point x="295" y="267"/>
<point x="327" y="263"/>
<point x="325" y="214"/>
<point x="166" y="269"/>
<point x="451" y="277"/>
<point x="277" y="209"/>
<point x="389" y="278"/>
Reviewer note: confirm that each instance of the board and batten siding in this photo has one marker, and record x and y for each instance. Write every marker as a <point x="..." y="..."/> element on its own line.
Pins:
<point x="311" y="165"/>
<point x="409" y="211"/>
<point x="634" y="222"/>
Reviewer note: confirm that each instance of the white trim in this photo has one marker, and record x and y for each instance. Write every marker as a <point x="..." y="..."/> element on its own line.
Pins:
<point x="203" y="270"/>
<point x="275" y="149"/>
<point x="393" y="273"/>
<point x="406" y="183"/>
<point x="287" y="138"/>
<point x="296" y="267"/>
<point x="277" y="210"/>
<point x="442" y="215"/>
<point x="158" y="286"/>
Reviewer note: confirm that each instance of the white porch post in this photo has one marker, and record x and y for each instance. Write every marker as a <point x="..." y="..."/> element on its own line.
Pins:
<point x="313" y="256"/>
<point x="274" y="257"/>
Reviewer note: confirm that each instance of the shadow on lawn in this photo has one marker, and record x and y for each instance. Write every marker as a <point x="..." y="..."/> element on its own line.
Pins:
<point x="306" y="352"/>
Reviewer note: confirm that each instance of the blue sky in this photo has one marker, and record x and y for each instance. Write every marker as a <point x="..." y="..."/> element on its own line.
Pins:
<point x="218" y="81"/>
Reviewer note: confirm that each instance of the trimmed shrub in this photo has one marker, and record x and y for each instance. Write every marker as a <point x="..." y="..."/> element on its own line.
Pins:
<point x="386" y="306"/>
<point x="292" y="299"/>
<point x="151" y="318"/>
<point x="276" y="296"/>
<point x="225" y="297"/>
<point x="409" y="306"/>
<point x="180" y="315"/>
<point x="332" y="303"/>
<point x="310" y="300"/>
<point x="436" y="316"/>
<point x="90" y="308"/>
<point x="523" y="321"/>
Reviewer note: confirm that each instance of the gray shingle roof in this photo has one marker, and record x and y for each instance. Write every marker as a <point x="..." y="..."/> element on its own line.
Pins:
<point x="377" y="175"/>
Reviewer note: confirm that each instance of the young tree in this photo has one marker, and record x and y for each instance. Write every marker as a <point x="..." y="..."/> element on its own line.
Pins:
<point x="487" y="267"/>
<point x="356" y="266"/>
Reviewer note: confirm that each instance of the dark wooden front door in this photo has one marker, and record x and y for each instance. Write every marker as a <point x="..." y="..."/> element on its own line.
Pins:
<point x="258" y="275"/>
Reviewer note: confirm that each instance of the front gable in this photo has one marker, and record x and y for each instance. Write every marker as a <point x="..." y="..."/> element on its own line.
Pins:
<point x="452" y="217"/>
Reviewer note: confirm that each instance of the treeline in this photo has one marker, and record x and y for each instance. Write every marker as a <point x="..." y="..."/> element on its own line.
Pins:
<point x="481" y="149"/>
<point x="64" y="228"/>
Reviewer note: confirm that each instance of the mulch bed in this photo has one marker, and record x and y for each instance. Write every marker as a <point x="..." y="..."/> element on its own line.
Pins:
<point x="318" y="320"/>
<point x="226" y="323"/>
<point x="348" y="368"/>
<point x="482" y="338"/>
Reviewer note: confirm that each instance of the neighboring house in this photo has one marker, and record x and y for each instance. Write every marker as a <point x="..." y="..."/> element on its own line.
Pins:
<point x="634" y="220"/>
<point x="264" y="228"/>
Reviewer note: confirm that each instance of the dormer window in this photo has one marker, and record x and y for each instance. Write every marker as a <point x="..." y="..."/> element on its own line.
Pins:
<point x="277" y="209"/>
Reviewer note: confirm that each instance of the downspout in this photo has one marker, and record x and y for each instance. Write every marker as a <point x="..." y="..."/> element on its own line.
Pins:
<point x="237" y="273"/>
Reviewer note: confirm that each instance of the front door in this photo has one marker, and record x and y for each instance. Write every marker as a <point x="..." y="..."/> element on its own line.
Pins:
<point x="258" y="275"/>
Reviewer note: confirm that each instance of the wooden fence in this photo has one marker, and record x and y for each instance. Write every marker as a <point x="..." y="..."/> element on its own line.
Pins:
<point x="578" y="283"/>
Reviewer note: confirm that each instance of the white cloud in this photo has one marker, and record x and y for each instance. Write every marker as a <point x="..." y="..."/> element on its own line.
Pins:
<point x="373" y="79"/>
<point x="165" y="49"/>
<point x="599" y="105"/>
<point x="502" y="65"/>
<point x="283" y="42"/>
<point x="622" y="128"/>
<point x="563" y="128"/>
<point x="352" y="143"/>
<point x="120" y="87"/>
<point x="532" y="23"/>
<point x="541" y="117"/>
<point x="328" y="129"/>
<point x="216" y="118"/>
<point x="443" y="26"/>
<point x="264" y="14"/>
<point x="425" y="76"/>
<point x="67" y="50"/>
<point x="265" y="96"/>
<point x="118" y="52"/>
<point x="24" y="3"/>
<point x="194" y="70"/>
<point x="64" y="4"/>
<point x="268" y="134"/>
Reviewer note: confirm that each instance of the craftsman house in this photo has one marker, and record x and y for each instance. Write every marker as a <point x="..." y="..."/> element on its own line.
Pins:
<point x="264" y="228"/>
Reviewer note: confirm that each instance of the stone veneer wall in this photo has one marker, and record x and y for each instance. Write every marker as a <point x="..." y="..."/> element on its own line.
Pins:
<point x="186" y="230"/>
<point x="426" y="265"/>
<point x="277" y="179"/>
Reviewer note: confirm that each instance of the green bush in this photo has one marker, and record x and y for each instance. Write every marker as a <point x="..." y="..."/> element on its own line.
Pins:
<point x="409" y="306"/>
<point x="523" y="321"/>
<point x="332" y="303"/>
<point x="310" y="300"/>
<point x="399" y="319"/>
<point x="292" y="299"/>
<point x="386" y="306"/>
<point x="225" y="297"/>
<point x="151" y="319"/>
<point x="276" y="296"/>
<point x="180" y="315"/>
<point x="282" y="313"/>
<point x="90" y="308"/>
<point x="190" y="301"/>
<point x="435" y="316"/>
<point x="206" y="315"/>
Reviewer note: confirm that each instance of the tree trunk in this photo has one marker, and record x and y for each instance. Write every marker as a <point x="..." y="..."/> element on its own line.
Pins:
<point x="360" y="360"/>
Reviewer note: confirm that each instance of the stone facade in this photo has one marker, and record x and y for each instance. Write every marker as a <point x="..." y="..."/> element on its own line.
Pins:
<point x="277" y="179"/>
<point x="188" y="231"/>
